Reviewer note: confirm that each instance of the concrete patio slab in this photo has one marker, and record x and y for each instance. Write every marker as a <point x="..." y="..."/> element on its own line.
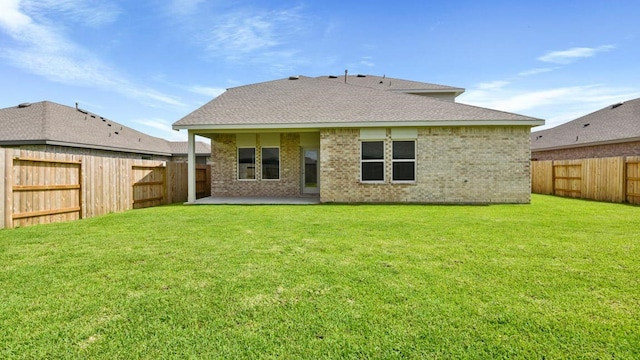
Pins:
<point x="212" y="200"/>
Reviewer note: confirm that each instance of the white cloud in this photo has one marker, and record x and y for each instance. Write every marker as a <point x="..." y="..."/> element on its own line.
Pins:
<point x="555" y="105"/>
<point x="88" y="12"/>
<point x="10" y="16"/>
<point x="493" y="85"/>
<point x="573" y="54"/>
<point x="254" y="36"/>
<point x="44" y="49"/>
<point x="207" y="91"/>
<point x="161" y="128"/>
<point x="536" y="71"/>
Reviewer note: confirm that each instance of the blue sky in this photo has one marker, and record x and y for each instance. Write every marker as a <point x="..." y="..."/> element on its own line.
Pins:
<point x="146" y="64"/>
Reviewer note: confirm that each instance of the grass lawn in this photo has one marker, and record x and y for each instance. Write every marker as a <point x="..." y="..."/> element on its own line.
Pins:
<point x="559" y="278"/>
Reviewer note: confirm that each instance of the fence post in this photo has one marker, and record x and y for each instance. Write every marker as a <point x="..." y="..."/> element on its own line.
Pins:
<point x="624" y="180"/>
<point x="2" y="188"/>
<point x="8" y="188"/>
<point x="553" y="177"/>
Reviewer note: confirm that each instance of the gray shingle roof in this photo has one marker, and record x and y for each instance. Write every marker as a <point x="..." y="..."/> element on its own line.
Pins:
<point x="181" y="148"/>
<point x="308" y="102"/>
<point x="47" y="122"/>
<point x="614" y="123"/>
<point x="392" y="84"/>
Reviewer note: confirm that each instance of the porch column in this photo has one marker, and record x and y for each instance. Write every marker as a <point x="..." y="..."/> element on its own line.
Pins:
<point x="191" y="168"/>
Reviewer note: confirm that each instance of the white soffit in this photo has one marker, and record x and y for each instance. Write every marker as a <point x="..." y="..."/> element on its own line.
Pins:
<point x="373" y="134"/>
<point x="404" y="133"/>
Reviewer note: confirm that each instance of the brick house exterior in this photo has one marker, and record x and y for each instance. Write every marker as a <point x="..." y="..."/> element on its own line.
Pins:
<point x="366" y="144"/>
<point x="609" y="132"/>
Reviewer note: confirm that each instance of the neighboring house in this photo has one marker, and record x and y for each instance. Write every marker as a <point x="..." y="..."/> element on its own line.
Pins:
<point x="608" y="132"/>
<point x="366" y="139"/>
<point x="179" y="150"/>
<point x="51" y="127"/>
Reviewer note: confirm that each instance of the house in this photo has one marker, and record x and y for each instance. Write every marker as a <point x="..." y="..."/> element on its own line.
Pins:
<point x="361" y="138"/>
<point x="51" y="127"/>
<point x="608" y="132"/>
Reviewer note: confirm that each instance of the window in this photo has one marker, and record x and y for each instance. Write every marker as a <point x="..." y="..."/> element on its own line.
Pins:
<point x="246" y="163"/>
<point x="372" y="161"/>
<point x="270" y="163"/>
<point x="404" y="161"/>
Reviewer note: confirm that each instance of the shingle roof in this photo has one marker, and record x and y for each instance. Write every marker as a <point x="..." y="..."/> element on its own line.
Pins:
<point x="312" y="102"/>
<point x="392" y="84"/>
<point x="47" y="122"/>
<point x="181" y="148"/>
<point x="614" y="123"/>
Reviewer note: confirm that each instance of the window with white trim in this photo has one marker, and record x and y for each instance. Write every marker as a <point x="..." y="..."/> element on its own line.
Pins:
<point x="372" y="161"/>
<point x="270" y="163"/>
<point x="246" y="163"/>
<point x="403" y="161"/>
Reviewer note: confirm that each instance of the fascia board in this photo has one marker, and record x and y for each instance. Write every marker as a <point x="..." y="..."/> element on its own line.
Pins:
<point x="595" y="143"/>
<point x="333" y="125"/>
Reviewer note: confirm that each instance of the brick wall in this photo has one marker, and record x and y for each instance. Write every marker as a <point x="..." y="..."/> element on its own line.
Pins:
<point x="586" y="152"/>
<point x="454" y="165"/>
<point x="224" y="172"/>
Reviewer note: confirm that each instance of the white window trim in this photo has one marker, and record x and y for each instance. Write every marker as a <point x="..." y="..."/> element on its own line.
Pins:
<point x="279" y="163"/>
<point x="383" y="160"/>
<point x="414" y="160"/>
<point x="255" y="163"/>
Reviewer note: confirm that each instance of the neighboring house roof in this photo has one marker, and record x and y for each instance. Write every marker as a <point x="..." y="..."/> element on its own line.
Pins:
<point x="304" y="102"/>
<point x="392" y="84"/>
<point x="49" y="123"/>
<point x="181" y="148"/>
<point x="612" y="124"/>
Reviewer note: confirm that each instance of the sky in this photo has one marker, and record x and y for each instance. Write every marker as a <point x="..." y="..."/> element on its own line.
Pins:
<point x="148" y="63"/>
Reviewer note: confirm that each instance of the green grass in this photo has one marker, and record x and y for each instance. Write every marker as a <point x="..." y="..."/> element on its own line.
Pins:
<point x="555" y="279"/>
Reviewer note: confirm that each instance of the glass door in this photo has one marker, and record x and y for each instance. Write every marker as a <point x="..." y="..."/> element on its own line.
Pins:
<point x="310" y="167"/>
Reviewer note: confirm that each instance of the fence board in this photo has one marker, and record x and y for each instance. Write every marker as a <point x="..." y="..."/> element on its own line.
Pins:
<point x="632" y="181"/>
<point x="604" y="179"/>
<point x="42" y="187"/>
<point x="567" y="178"/>
<point x="615" y="179"/>
<point x="2" y="186"/>
<point x="542" y="177"/>
<point x="45" y="188"/>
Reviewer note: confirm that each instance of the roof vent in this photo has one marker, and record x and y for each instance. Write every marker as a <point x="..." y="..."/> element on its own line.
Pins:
<point x="294" y="77"/>
<point x="361" y="75"/>
<point x="332" y="77"/>
<point x="616" y="105"/>
<point x="24" y="105"/>
<point x="585" y="125"/>
<point x="83" y="111"/>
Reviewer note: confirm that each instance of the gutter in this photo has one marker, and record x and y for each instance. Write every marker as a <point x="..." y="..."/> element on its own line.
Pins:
<point x="333" y="125"/>
<point x="595" y="143"/>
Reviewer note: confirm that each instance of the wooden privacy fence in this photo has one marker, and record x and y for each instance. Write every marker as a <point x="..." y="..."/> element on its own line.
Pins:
<point x="615" y="179"/>
<point x="41" y="187"/>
